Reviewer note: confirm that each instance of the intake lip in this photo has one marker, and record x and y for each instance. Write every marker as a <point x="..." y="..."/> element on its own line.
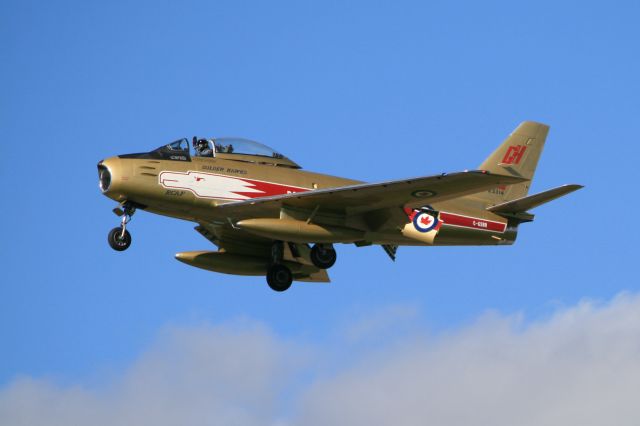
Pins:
<point x="104" y="176"/>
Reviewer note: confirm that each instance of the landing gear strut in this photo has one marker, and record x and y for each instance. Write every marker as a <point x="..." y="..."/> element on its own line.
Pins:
<point x="119" y="238"/>
<point x="322" y="256"/>
<point x="279" y="277"/>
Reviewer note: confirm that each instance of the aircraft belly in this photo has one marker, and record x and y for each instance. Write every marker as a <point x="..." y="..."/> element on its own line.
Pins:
<point x="459" y="236"/>
<point x="446" y="236"/>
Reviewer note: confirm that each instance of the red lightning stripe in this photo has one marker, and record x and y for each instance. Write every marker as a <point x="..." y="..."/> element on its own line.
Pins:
<point x="268" y="189"/>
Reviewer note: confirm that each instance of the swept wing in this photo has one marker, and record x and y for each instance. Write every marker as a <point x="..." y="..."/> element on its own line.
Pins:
<point x="361" y="198"/>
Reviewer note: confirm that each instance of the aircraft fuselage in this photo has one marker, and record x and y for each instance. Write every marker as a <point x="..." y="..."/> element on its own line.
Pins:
<point x="191" y="190"/>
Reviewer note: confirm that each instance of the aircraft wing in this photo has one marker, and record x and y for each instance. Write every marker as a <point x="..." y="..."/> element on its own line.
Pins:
<point x="362" y="198"/>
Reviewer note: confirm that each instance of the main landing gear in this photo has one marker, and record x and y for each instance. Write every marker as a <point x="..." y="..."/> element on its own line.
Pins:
<point x="323" y="256"/>
<point x="119" y="238"/>
<point x="279" y="277"/>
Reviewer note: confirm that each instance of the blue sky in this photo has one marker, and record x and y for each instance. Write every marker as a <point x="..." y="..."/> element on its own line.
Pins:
<point x="360" y="89"/>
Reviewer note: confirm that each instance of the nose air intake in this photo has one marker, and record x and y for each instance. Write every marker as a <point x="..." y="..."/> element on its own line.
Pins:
<point x="104" y="176"/>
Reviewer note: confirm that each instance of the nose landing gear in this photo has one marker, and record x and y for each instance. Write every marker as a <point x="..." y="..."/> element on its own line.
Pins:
<point x="119" y="238"/>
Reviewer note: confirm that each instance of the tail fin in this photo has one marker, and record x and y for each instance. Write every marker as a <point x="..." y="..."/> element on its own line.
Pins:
<point x="517" y="156"/>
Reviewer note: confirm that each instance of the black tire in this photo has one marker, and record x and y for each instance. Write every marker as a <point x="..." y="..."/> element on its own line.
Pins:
<point x="279" y="278"/>
<point x="323" y="258"/>
<point x="117" y="241"/>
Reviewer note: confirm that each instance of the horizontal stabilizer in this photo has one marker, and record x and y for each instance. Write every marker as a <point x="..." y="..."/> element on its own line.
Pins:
<point x="526" y="203"/>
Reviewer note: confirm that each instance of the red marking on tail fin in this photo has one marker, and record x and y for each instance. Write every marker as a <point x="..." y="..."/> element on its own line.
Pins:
<point x="514" y="154"/>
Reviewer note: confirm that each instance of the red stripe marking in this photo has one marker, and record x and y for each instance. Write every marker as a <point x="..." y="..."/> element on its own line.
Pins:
<point x="472" y="222"/>
<point x="268" y="189"/>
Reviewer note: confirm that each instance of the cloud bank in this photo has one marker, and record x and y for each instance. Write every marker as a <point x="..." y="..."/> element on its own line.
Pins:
<point x="579" y="366"/>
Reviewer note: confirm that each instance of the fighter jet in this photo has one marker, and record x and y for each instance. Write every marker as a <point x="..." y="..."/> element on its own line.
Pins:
<point x="269" y="217"/>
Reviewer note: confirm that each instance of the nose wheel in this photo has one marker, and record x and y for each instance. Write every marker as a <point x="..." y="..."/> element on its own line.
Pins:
<point x="119" y="238"/>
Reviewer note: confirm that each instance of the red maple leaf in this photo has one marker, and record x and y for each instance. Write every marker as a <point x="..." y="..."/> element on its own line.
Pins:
<point x="426" y="220"/>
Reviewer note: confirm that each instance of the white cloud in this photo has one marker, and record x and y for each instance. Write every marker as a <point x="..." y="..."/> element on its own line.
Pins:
<point x="579" y="366"/>
<point x="201" y="375"/>
<point x="380" y="323"/>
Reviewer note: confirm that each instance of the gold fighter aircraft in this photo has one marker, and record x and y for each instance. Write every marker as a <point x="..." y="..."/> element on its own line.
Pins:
<point x="269" y="217"/>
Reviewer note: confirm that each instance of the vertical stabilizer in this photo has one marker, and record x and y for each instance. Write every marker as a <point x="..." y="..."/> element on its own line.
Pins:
<point x="517" y="156"/>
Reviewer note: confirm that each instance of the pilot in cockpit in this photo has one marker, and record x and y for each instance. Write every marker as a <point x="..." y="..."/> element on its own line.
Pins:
<point x="202" y="148"/>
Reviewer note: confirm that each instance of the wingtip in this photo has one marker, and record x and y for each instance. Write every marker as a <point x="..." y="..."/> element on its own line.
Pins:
<point x="573" y="186"/>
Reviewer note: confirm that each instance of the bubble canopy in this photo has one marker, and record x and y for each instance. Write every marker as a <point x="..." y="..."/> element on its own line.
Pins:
<point x="244" y="146"/>
<point x="231" y="148"/>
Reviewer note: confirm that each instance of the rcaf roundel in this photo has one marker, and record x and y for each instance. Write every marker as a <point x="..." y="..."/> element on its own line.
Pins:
<point x="424" y="222"/>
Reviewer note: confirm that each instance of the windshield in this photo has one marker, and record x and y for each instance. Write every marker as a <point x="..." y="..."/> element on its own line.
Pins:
<point x="244" y="146"/>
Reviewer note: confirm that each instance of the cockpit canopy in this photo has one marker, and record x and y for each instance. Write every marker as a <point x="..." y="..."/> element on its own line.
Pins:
<point x="244" y="147"/>
<point x="228" y="148"/>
